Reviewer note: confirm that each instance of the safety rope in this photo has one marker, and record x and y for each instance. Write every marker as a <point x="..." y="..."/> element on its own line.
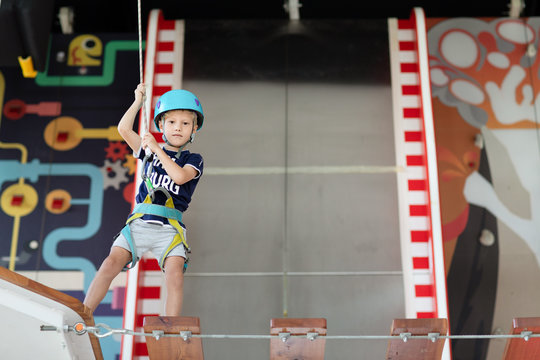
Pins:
<point x="139" y="23"/>
<point x="145" y="175"/>
<point x="103" y="330"/>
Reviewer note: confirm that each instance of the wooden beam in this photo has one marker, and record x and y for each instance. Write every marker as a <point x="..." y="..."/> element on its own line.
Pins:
<point x="55" y="295"/>
<point x="297" y="347"/>
<point x="172" y="348"/>
<point x="416" y="349"/>
<point x="519" y="348"/>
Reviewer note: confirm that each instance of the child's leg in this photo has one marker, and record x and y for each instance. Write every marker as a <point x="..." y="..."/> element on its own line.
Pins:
<point x="174" y="280"/>
<point x="111" y="266"/>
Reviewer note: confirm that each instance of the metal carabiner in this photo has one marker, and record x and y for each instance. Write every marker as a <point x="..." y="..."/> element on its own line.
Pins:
<point x="145" y="172"/>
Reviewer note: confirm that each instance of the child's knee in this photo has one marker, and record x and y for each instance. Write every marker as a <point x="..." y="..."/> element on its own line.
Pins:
<point x="115" y="262"/>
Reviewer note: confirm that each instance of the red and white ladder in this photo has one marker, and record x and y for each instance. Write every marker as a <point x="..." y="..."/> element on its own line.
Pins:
<point x="418" y="187"/>
<point x="144" y="294"/>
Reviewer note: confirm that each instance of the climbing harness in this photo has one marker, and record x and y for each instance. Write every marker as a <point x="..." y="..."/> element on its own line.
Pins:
<point x="168" y="211"/>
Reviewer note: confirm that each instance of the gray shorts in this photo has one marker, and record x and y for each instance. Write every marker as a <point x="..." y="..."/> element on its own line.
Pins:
<point x="153" y="237"/>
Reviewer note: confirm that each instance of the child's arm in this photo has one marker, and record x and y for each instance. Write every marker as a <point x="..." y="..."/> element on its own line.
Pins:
<point x="125" y="126"/>
<point x="180" y="175"/>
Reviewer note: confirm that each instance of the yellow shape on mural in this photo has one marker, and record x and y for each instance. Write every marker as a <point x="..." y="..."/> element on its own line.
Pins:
<point x="66" y="132"/>
<point x="58" y="201"/>
<point x="85" y="50"/>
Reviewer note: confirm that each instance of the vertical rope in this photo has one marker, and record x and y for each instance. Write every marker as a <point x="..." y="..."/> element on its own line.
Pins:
<point x="145" y="120"/>
<point x="285" y="247"/>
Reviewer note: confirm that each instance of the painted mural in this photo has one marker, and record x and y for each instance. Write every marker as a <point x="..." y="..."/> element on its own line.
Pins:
<point x="66" y="178"/>
<point x="486" y="101"/>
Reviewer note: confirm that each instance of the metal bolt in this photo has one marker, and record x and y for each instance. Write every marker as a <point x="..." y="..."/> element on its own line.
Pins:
<point x="186" y="335"/>
<point x="405" y="336"/>
<point x="284" y="336"/>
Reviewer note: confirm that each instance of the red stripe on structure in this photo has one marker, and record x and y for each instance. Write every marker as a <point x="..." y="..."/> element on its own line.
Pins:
<point x="417" y="185"/>
<point x="425" y="315"/>
<point x="165" y="46"/>
<point x="149" y="292"/>
<point x="411" y="112"/>
<point x="415" y="160"/>
<point x="160" y="90"/>
<point x="405" y="24"/>
<point x="410" y="90"/>
<point x="139" y="321"/>
<point x="140" y="349"/>
<point x="423" y="290"/>
<point x="413" y="136"/>
<point x="418" y="210"/>
<point x="419" y="236"/>
<point x="159" y="139"/>
<point x="407" y="45"/>
<point x="147" y="264"/>
<point x="409" y="67"/>
<point x="163" y="68"/>
<point x="420" y="263"/>
<point x="167" y="25"/>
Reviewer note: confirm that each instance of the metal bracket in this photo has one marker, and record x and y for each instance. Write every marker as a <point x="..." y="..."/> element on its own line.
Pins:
<point x="284" y="336"/>
<point x="405" y="336"/>
<point x="312" y="336"/>
<point x="526" y="335"/>
<point x="186" y="335"/>
<point x="433" y="336"/>
<point x="292" y="7"/>
<point x="158" y="334"/>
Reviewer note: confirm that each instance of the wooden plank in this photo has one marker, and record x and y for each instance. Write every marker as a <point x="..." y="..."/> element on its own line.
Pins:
<point x="416" y="349"/>
<point x="55" y="295"/>
<point x="519" y="348"/>
<point x="171" y="348"/>
<point x="295" y="347"/>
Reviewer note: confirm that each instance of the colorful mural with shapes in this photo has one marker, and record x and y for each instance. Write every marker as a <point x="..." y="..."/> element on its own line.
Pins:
<point x="486" y="89"/>
<point x="66" y="178"/>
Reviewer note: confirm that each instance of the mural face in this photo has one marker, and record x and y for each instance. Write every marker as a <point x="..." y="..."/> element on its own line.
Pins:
<point x="85" y="50"/>
<point x="486" y="90"/>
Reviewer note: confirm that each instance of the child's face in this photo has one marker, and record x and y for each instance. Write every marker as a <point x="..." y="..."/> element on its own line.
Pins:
<point x="178" y="125"/>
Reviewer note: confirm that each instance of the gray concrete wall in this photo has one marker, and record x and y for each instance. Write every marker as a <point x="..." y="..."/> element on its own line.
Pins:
<point x="300" y="222"/>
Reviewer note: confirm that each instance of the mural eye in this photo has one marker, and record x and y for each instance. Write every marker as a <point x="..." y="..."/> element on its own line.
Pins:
<point x="89" y="44"/>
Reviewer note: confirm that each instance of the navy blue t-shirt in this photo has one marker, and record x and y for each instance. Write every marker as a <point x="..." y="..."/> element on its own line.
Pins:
<point x="181" y="194"/>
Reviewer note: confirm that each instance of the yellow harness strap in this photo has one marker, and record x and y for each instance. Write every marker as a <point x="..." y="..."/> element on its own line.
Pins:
<point x="179" y="238"/>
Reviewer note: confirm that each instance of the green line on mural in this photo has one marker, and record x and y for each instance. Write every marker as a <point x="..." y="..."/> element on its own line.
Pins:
<point x="109" y="63"/>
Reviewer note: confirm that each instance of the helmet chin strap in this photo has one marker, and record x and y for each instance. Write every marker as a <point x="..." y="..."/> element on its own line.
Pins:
<point x="191" y="138"/>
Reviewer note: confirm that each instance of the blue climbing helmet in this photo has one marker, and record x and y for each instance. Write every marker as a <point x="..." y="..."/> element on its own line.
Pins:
<point x="178" y="100"/>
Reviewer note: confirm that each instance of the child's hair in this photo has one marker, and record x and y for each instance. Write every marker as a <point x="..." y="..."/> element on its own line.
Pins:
<point x="193" y="113"/>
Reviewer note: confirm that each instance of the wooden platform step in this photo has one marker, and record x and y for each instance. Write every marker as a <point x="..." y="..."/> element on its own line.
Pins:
<point x="297" y="347"/>
<point x="173" y="348"/>
<point x="416" y="349"/>
<point x="520" y="348"/>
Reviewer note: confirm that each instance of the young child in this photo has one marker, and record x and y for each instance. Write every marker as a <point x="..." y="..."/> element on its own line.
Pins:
<point x="174" y="175"/>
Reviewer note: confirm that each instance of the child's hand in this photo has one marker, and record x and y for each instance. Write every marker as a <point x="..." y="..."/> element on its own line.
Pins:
<point x="149" y="141"/>
<point x="140" y="93"/>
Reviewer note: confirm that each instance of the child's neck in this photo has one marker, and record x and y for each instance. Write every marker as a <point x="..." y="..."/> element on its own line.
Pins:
<point x="172" y="148"/>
